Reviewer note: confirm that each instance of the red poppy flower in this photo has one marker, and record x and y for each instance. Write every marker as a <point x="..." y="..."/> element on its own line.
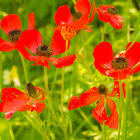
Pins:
<point x="11" y="25"/>
<point x="109" y="14"/>
<point x="14" y="100"/>
<point x="99" y="94"/>
<point x="120" y="66"/>
<point x="65" y="21"/>
<point x="43" y="53"/>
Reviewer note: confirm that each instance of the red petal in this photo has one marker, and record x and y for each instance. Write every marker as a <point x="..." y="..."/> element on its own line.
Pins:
<point x="31" y="21"/>
<point x="9" y="94"/>
<point x="62" y="62"/>
<point x="43" y="61"/>
<point x="132" y="54"/>
<point x="113" y="120"/>
<point x="137" y="68"/>
<point x="31" y="39"/>
<point x="88" y="97"/>
<point x="99" y="113"/>
<point x="10" y="23"/>
<point x="5" y="46"/>
<point x="103" y="54"/>
<point x="83" y="6"/>
<point x="80" y="23"/>
<point x="58" y="44"/>
<point x="93" y="13"/>
<point x="115" y="22"/>
<point x="8" y="115"/>
<point x="63" y="15"/>
<point x="39" y="107"/>
<point x="41" y="92"/>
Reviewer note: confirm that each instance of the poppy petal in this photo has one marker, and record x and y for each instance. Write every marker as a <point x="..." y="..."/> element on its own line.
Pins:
<point x="62" y="62"/>
<point x="113" y="120"/>
<point x="103" y="54"/>
<point x="31" y="21"/>
<point x="93" y="13"/>
<point x="5" y="46"/>
<point x="99" y="113"/>
<point x="10" y="23"/>
<point x="132" y="54"/>
<point x="88" y="97"/>
<point x="58" y="44"/>
<point x="39" y="107"/>
<point x="33" y="43"/>
<point x="63" y="15"/>
<point x="83" y="6"/>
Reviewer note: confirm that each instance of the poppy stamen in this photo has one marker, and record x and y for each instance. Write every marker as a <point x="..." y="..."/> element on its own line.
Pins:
<point x="119" y="63"/>
<point x="44" y="50"/>
<point x="14" y="35"/>
<point x="112" y="10"/>
<point x="102" y="90"/>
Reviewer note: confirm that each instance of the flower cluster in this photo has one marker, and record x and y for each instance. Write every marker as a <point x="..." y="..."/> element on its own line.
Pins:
<point x="29" y="43"/>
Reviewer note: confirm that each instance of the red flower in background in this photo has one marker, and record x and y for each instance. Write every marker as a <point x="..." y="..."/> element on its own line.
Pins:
<point x="65" y="21"/>
<point x="11" y="25"/>
<point x="32" y="40"/>
<point x="14" y="100"/>
<point x="120" y="66"/>
<point x="99" y="94"/>
<point x="109" y="14"/>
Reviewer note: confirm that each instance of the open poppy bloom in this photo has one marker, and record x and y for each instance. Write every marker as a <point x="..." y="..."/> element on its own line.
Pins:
<point x="32" y="41"/>
<point x="14" y="100"/>
<point x="120" y="66"/>
<point x="11" y="25"/>
<point x="99" y="94"/>
<point x="65" y="21"/>
<point x="109" y="14"/>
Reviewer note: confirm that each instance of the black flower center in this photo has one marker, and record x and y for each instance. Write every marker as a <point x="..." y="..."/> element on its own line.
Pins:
<point x="119" y="63"/>
<point x="14" y="35"/>
<point x="31" y="90"/>
<point x="112" y="11"/>
<point x="77" y="16"/>
<point x="44" y="50"/>
<point x="102" y="90"/>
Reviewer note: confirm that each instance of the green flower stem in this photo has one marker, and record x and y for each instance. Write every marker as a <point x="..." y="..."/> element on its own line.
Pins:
<point x="25" y="69"/>
<point x="65" y="133"/>
<point x="63" y="74"/>
<point x="1" y="68"/>
<point x="103" y="32"/>
<point x="104" y="131"/>
<point x="120" y="112"/>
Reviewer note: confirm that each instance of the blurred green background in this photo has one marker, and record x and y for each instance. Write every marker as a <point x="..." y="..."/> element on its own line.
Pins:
<point x="79" y="77"/>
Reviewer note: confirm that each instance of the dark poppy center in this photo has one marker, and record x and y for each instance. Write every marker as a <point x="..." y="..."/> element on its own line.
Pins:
<point x="119" y="63"/>
<point x="14" y="35"/>
<point x="112" y="11"/>
<point x="77" y="16"/>
<point x="102" y="90"/>
<point x="31" y="90"/>
<point x="44" y="50"/>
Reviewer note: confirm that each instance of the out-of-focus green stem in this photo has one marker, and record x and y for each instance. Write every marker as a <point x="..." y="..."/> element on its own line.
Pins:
<point x="120" y="112"/>
<point x="103" y="32"/>
<point x="25" y="69"/>
<point x="1" y="69"/>
<point x="104" y="131"/>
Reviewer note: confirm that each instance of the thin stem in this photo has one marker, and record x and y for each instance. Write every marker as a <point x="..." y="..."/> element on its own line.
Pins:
<point x="25" y="69"/>
<point x="1" y="68"/>
<point x="103" y="32"/>
<point x="65" y="133"/>
<point x="104" y="131"/>
<point x="120" y="113"/>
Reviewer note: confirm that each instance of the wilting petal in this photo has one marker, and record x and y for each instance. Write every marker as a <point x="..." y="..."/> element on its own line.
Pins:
<point x="103" y="54"/>
<point x="10" y="23"/>
<point x="58" y="44"/>
<point x="113" y="120"/>
<point x="115" y="22"/>
<point x="80" y="23"/>
<point x="99" y="113"/>
<point x="38" y="107"/>
<point x="63" y="15"/>
<point x="83" y="6"/>
<point x="5" y="46"/>
<point x="62" y="62"/>
<point x="31" y="39"/>
<point x="31" y="21"/>
<point x="132" y="54"/>
<point x="88" y="97"/>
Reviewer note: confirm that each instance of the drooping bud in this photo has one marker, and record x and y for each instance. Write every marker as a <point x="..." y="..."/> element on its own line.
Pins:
<point x="14" y="35"/>
<point x="44" y="50"/>
<point x="31" y="90"/>
<point x="112" y="10"/>
<point x="119" y="63"/>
